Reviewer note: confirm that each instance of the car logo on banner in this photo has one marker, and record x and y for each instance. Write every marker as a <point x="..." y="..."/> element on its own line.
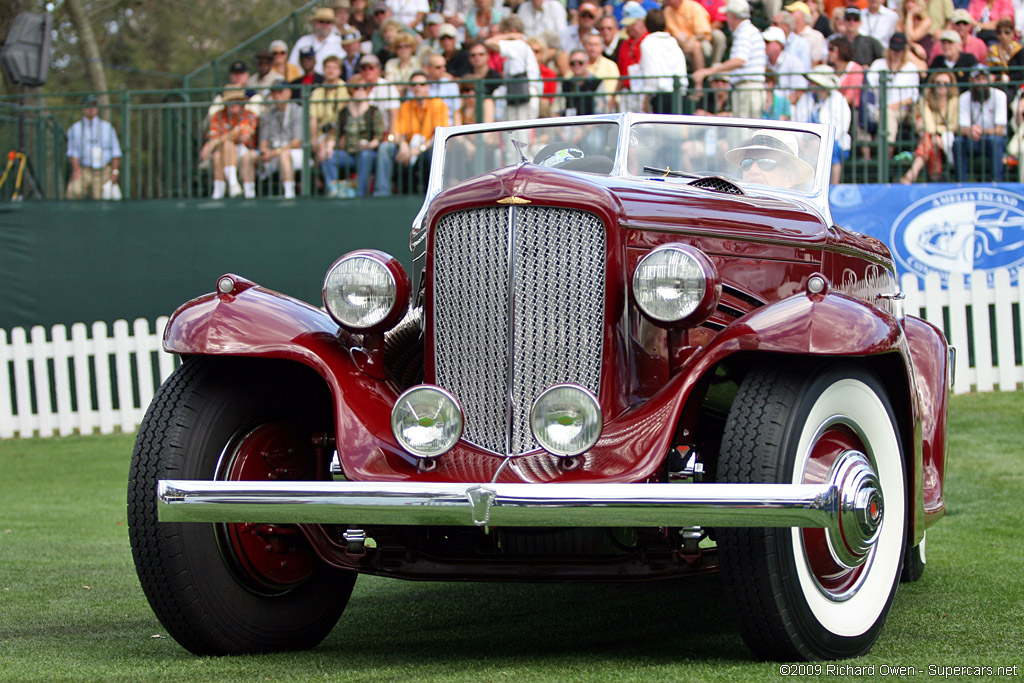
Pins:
<point x="961" y="231"/>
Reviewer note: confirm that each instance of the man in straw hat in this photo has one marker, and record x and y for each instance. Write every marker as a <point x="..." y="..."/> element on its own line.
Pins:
<point x="831" y="109"/>
<point x="771" y="158"/>
<point x="230" y="144"/>
<point x="323" y="41"/>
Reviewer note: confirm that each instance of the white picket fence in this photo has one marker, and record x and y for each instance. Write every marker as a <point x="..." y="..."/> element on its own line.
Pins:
<point x="53" y="384"/>
<point x="977" y="317"/>
<point x="61" y="385"/>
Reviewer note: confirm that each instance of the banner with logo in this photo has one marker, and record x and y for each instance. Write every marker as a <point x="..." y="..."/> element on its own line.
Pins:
<point x="947" y="229"/>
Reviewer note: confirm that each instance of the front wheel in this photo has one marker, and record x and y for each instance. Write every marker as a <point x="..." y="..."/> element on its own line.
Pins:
<point x="795" y="592"/>
<point x="232" y="588"/>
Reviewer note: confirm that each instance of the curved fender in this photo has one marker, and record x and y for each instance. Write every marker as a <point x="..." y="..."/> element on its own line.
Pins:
<point x="830" y="324"/>
<point x="632" y="447"/>
<point x="929" y="353"/>
<point x="252" y="321"/>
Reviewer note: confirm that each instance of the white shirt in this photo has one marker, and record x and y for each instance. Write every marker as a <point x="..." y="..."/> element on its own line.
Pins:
<point x="987" y="114"/>
<point x="879" y="26"/>
<point x="405" y="11"/>
<point x="748" y="45"/>
<point x="798" y="46"/>
<point x="791" y="79"/>
<point x="519" y="58"/>
<point x="901" y="85"/>
<point x="834" y="111"/>
<point x="448" y="91"/>
<point x="661" y="56"/>
<point x="323" y="48"/>
<point x="384" y="96"/>
<point x="550" y="17"/>
<point x="819" y="47"/>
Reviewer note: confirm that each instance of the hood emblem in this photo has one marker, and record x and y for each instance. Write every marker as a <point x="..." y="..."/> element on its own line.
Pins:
<point x="514" y="200"/>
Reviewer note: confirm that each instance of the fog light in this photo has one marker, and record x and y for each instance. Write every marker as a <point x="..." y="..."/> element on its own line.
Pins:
<point x="427" y="421"/>
<point x="566" y="419"/>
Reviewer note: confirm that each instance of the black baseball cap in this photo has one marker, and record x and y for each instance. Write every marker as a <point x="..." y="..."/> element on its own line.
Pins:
<point x="238" y="67"/>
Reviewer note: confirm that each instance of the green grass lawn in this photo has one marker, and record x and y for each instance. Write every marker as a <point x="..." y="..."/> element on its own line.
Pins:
<point x="71" y="606"/>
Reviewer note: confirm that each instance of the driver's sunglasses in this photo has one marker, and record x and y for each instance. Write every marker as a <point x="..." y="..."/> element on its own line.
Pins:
<point x="763" y="164"/>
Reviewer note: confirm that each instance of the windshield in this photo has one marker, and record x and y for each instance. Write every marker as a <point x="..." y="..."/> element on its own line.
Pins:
<point x="676" y="149"/>
<point x="584" y="147"/>
<point x="775" y="158"/>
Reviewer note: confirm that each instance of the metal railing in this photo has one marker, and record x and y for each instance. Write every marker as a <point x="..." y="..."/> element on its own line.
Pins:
<point x="162" y="131"/>
<point x="287" y="29"/>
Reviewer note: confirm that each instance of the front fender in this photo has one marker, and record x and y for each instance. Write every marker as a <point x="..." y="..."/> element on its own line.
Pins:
<point x="252" y="321"/>
<point x="831" y="324"/>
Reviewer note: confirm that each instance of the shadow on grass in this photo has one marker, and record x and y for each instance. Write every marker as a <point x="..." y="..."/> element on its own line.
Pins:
<point x="427" y="623"/>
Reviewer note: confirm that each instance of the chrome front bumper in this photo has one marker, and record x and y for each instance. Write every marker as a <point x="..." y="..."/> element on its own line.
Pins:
<point x="849" y="503"/>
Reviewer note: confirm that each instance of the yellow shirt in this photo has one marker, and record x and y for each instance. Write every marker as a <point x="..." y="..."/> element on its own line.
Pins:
<point x="691" y="19"/>
<point x="421" y="117"/>
<point x="325" y="102"/>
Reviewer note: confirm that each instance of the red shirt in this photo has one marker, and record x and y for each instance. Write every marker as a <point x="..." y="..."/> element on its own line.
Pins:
<point x="629" y="54"/>
<point x="550" y="82"/>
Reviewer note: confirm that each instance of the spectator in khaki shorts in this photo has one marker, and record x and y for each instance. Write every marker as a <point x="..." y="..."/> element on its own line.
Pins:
<point x="95" y="155"/>
<point x="231" y="143"/>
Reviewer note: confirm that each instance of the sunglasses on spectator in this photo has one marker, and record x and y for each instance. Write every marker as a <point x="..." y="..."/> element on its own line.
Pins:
<point x="763" y="164"/>
<point x="577" y="62"/>
<point x="587" y="15"/>
<point x="447" y="38"/>
<point x="279" y="52"/>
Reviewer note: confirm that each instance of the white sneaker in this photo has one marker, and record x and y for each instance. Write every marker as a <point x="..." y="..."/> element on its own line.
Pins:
<point x="234" y="190"/>
<point x="218" y="190"/>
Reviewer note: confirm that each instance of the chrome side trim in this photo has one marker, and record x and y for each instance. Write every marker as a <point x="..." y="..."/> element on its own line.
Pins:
<point x="465" y="504"/>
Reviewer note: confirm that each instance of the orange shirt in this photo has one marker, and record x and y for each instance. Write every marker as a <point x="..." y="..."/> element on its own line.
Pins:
<point x="421" y="117"/>
<point x="690" y="19"/>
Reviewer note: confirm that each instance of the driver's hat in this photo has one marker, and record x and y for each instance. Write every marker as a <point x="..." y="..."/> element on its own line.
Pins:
<point x="780" y="145"/>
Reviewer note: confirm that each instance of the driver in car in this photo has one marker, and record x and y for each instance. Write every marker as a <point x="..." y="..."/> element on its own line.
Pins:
<point x="770" y="158"/>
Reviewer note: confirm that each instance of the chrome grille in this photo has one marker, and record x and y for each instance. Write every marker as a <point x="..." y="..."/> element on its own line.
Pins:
<point x="544" y="267"/>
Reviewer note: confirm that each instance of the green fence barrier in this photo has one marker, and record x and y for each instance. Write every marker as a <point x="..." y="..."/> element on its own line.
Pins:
<point x="66" y="262"/>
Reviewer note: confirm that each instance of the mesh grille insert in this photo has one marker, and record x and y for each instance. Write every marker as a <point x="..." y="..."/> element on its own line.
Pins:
<point x="555" y="301"/>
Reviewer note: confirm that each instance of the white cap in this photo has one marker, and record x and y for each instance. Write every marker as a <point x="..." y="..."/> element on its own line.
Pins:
<point x="741" y="8"/>
<point x="774" y="33"/>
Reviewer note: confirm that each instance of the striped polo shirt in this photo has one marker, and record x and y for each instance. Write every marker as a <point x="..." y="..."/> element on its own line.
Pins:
<point x="748" y="45"/>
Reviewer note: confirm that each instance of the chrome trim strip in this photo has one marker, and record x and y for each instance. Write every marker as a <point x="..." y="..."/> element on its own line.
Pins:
<point x="510" y="332"/>
<point x="469" y="504"/>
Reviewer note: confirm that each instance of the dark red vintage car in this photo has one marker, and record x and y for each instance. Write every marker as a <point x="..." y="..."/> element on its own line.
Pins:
<point x="632" y="347"/>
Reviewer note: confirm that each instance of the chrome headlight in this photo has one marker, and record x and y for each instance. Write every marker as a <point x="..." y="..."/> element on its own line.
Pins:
<point x="426" y="421"/>
<point x="566" y="419"/>
<point x="676" y="283"/>
<point x="366" y="289"/>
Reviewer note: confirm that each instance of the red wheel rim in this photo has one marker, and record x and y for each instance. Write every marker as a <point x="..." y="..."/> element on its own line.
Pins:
<point x="834" y="578"/>
<point x="270" y="557"/>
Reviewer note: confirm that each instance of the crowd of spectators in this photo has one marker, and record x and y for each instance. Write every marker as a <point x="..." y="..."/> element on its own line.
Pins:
<point x="938" y="76"/>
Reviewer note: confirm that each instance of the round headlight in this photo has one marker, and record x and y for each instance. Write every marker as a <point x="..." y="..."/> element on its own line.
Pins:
<point x="427" y="421"/>
<point x="676" y="283"/>
<point x="566" y="419"/>
<point x="364" y="289"/>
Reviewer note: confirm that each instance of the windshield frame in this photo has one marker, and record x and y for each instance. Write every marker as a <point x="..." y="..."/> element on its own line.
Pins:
<point x="815" y="194"/>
